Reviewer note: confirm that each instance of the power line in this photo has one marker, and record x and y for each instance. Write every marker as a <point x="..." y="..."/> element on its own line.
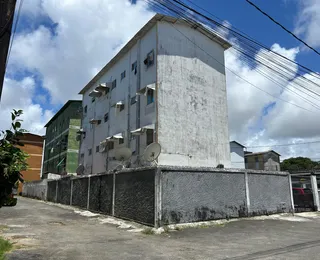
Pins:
<point x="284" y="28"/>
<point x="239" y="75"/>
<point x="276" y="145"/>
<point x="14" y="32"/>
<point x="283" y="75"/>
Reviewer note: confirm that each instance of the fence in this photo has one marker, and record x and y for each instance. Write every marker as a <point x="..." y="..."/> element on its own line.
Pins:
<point x="167" y="195"/>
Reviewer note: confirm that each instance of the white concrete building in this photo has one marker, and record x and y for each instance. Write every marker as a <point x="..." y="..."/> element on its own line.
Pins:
<point x="237" y="155"/>
<point x="166" y="85"/>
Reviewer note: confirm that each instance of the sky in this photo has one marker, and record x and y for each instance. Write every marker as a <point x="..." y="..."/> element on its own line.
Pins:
<point x="60" y="45"/>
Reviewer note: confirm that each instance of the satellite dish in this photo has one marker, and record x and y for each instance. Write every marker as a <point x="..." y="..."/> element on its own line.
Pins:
<point x="123" y="154"/>
<point x="152" y="152"/>
<point x="80" y="170"/>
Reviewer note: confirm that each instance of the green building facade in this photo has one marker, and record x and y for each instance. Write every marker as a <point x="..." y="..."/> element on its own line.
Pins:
<point x="61" y="145"/>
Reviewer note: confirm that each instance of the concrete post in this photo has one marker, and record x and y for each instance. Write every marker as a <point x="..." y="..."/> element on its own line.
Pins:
<point x="291" y="193"/>
<point x="57" y="189"/>
<point x="71" y="193"/>
<point x="247" y="192"/>
<point x="315" y="192"/>
<point x="157" y="198"/>
<point x="113" y="193"/>
<point x="88" y="201"/>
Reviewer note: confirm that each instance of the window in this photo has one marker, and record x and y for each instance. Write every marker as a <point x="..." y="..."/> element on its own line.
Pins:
<point x="106" y="117"/>
<point x="84" y="135"/>
<point x="121" y="108"/>
<point x="149" y="136"/>
<point x="134" y="67"/>
<point x="93" y="99"/>
<point x="99" y="122"/>
<point x="110" y="145"/>
<point x="85" y="110"/>
<point x="133" y="100"/>
<point x="256" y="159"/>
<point x="149" y="61"/>
<point x="90" y="151"/>
<point x="121" y="140"/>
<point x="245" y="160"/>
<point x="114" y="84"/>
<point x="123" y="75"/>
<point x="97" y="148"/>
<point x="82" y="156"/>
<point x="150" y="96"/>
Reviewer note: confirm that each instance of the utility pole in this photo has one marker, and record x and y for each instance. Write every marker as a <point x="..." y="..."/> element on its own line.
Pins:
<point x="7" y="8"/>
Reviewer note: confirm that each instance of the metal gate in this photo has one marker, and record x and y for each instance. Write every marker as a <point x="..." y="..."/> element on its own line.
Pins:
<point x="302" y="193"/>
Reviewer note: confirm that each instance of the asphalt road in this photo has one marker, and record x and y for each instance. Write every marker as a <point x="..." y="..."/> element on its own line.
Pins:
<point x="46" y="231"/>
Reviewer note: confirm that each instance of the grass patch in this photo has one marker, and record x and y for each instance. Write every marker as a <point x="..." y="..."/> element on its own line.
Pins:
<point x="2" y="227"/>
<point x="146" y="231"/>
<point x="5" y="246"/>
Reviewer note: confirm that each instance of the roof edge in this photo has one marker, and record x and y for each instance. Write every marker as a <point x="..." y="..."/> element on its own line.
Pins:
<point x="143" y="31"/>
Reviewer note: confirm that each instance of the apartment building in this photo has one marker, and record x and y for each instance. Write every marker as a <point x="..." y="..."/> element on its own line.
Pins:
<point x="166" y="85"/>
<point x="32" y="145"/>
<point x="61" y="143"/>
<point x="268" y="160"/>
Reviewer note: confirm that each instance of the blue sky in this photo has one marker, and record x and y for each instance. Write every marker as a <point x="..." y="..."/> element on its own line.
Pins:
<point x="61" y="44"/>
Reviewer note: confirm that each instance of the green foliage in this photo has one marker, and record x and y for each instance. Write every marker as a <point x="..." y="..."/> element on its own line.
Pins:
<point x="299" y="163"/>
<point x="12" y="158"/>
<point x="5" y="246"/>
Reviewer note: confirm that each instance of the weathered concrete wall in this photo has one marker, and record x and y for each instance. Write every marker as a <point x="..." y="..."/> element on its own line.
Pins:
<point x="134" y="196"/>
<point x="200" y="113"/>
<point x="190" y="195"/>
<point x="197" y="196"/>
<point x="52" y="189"/>
<point x="80" y="192"/>
<point x="101" y="193"/>
<point x="64" y="190"/>
<point x="269" y="193"/>
<point x="35" y="189"/>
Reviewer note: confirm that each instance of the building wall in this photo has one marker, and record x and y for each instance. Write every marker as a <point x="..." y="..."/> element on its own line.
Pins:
<point x="61" y="146"/>
<point x="33" y="147"/>
<point x="267" y="162"/>
<point x="237" y="156"/>
<point x="131" y="118"/>
<point x="192" y="99"/>
<point x="169" y="195"/>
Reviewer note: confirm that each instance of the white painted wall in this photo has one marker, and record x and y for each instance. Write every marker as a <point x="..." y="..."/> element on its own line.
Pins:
<point x="237" y="156"/>
<point x="192" y="104"/>
<point x="192" y="99"/>
<point x="118" y="121"/>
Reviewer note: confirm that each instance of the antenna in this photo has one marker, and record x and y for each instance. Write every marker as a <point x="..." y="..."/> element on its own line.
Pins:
<point x="80" y="170"/>
<point x="123" y="154"/>
<point x="152" y="152"/>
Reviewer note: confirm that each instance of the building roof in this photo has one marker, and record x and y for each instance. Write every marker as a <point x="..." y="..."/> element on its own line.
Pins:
<point x="237" y="143"/>
<point x="257" y="153"/>
<point x="61" y="110"/>
<point x="143" y="31"/>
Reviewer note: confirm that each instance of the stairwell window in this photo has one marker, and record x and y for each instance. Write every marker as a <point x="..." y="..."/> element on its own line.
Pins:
<point x="114" y="84"/>
<point x="123" y="75"/>
<point x="106" y="117"/>
<point x="150" y="96"/>
<point x="149" y="136"/>
<point x="149" y="60"/>
<point x="134" y="67"/>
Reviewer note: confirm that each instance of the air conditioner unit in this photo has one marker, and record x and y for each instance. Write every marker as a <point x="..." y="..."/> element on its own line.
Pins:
<point x="95" y="121"/>
<point x="94" y="93"/>
<point x="104" y="88"/>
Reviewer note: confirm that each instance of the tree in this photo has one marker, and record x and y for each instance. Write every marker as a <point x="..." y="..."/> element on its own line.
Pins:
<point x="299" y="163"/>
<point x="12" y="158"/>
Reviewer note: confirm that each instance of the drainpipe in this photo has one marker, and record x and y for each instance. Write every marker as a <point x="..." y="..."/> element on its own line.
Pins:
<point x="42" y="159"/>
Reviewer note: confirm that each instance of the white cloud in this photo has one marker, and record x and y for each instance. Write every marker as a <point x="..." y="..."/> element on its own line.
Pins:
<point x="309" y="22"/>
<point x="18" y="95"/>
<point x="88" y="34"/>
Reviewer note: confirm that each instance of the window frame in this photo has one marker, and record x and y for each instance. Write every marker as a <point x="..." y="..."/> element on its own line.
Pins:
<point x="113" y="84"/>
<point x="150" y="97"/>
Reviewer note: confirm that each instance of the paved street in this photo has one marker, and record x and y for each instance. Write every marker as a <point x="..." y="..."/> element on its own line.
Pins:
<point x="46" y="231"/>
